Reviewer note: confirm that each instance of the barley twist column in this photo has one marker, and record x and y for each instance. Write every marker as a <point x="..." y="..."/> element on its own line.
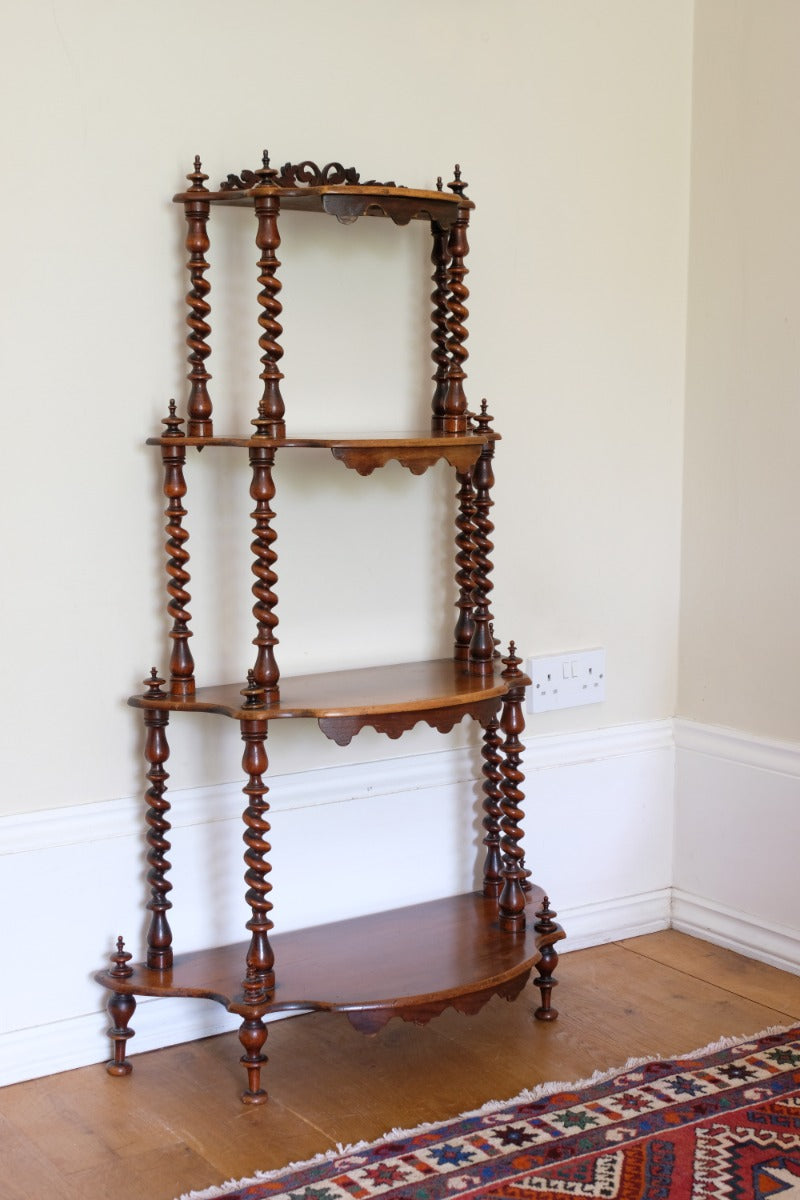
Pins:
<point x="262" y="490"/>
<point x="465" y="542"/>
<point x="260" y="977"/>
<point x="197" y="212"/>
<point x="259" y="980"/>
<point x="440" y="257"/>
<point x="271" y="406"/>
<point x="156" y="751"/>
<point x="455" y="419"/>
<point x="182" y="682"/>
<point x="512" y="897"/>
<point x="481" y="652"/>
<point x="493" y="812"/>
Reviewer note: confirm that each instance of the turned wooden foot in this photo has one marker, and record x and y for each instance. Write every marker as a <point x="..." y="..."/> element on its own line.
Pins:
<point x="547" y="964"/>
<point x="252" y="1035"/>
<point x="120" y="1008"/>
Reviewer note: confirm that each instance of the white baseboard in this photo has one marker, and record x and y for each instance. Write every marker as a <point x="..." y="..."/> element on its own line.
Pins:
<point x="608" y="787"/>
<point x="713" y="922"/>
<point x="737" y="829"/>
<point x="613" y="920"/>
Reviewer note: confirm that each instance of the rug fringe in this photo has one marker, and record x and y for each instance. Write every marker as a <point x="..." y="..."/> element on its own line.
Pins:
<point x="526" y="1096"/>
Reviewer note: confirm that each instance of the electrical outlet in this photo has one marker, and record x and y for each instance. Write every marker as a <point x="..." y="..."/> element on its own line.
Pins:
<point x="566" y="680"/>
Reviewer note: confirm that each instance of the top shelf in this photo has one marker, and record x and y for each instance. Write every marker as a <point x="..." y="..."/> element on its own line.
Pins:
<point x="416" y="451"/>
<point x="332" y="189"/>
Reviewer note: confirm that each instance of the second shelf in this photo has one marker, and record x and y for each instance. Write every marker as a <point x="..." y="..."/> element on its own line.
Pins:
<point x="388" y="698"/>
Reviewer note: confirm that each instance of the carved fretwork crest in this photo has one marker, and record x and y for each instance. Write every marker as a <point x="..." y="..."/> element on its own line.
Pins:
<point x="304" y="174"/>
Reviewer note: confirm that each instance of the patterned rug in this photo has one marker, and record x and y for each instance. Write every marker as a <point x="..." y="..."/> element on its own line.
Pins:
<point x="721" y="1124"/>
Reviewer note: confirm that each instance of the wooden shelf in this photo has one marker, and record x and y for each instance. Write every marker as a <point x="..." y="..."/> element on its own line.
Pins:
<point x="411" y="962"/>
<point x="411" y="439"/>
<point x="416" y="961"/>
<point x="389" y="698"/>
<point x="399" y="687"/>
<point x="416" y="450"/>
<point x="345" y="202"/>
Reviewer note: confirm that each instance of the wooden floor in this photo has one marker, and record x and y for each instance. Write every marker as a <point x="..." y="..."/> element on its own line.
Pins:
<point x="177" y="1124"/>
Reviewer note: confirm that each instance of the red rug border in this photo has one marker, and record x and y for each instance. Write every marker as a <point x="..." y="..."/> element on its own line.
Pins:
<point x="527" y="1095"/>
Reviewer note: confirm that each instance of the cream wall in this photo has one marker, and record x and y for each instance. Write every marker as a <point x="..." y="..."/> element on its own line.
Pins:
<point x="571" y="123"/>
<point x="739" y="649"/>
<point x="737" y="767"/>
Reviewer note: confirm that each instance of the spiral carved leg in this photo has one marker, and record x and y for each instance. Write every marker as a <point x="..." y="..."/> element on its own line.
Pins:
<point x="181" y="662"/>
<point x="492" y="795"/>
<point x="547" y="964"/>
<point x="259" y="978"/>
<point x="197" y="243"/>
<point x="268" y="240"/>
<point x="481" y="651"/>
<point x="262" y="490"/>
<point x="440" y="257"/>
<point x="512" y="898"/>
<point x="156" y="750"/>
<point x="465" y="525"/>
<point x="253" y="1035"/>
<point x="455" y="404"/>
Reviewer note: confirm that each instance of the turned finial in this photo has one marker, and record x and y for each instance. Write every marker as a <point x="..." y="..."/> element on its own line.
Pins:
<point x="484" y="419"/>
<point x="512" y="662"/>
<point x="545" y="922"/>
<point x="457" y="185"/>
<point x="439" y="184"/>
<point x="120" y="959"/>
<point x="262" y="422"/>
<point x="266" y="174"/>
<point x="197" y="177"/>
<point x="172" y="421"/>
<point x="253" y="693"/>
<point x="153" y="684"/>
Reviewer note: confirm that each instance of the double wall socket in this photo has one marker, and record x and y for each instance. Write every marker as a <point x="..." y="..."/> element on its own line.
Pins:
<point x="566" y="680"/>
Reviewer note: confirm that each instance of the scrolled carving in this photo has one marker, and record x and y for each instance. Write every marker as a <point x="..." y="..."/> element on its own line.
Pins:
<point x="343" y="729"/>
<point x="372" y="1020"/>
<point x="302" y="174"/>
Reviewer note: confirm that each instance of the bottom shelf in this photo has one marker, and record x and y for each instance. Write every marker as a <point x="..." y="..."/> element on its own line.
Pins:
<point x="410" y="962"/>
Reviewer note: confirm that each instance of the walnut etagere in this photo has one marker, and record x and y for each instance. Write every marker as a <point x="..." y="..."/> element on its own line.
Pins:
<point x="412" y="962"/>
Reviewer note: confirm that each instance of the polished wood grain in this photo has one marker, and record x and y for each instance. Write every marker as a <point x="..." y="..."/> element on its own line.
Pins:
<point x="390" y="962"/>
<point x="347" y="202"/>
<point x="415" y="963"/>
<point x="417" y="451"/>
<point x="415" y="688"/>
<point x="400" y="439"/>
<point x="170" y="1127"/>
